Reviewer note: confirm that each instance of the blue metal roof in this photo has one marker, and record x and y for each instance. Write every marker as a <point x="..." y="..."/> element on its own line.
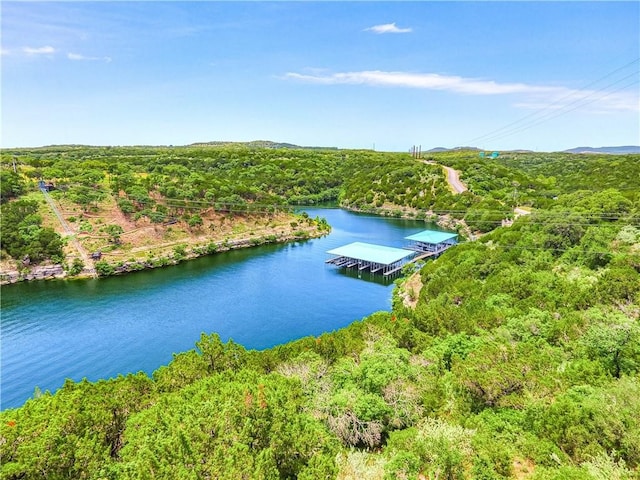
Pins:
<point x="371" y="253"/>
<point x="432" y="236"/>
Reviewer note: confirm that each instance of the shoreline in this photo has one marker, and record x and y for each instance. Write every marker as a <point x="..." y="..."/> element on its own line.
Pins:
<point x="183" y="252"/>
<point x="108" y="269"/>
<point x="443" y="221"/>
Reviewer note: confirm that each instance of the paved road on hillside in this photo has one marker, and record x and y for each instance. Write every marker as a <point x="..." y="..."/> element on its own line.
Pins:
<point x="453" y="178"/>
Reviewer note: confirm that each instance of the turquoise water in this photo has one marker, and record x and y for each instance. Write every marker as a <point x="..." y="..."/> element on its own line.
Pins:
<point x="260" y="297"/>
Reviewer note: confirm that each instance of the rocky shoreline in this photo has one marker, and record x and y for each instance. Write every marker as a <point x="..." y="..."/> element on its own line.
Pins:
<point x="106" y="268"/>
<point x="38" y="272"/>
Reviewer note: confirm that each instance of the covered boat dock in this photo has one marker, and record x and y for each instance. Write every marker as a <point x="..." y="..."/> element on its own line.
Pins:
<point x="375" y="258"/>
<point x="431" y="242"/>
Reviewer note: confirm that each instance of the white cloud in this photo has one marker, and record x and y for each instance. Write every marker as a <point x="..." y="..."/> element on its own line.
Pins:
<point x="46" y="50"/>
<point x="82" y="58"/>
<point x="430" y="81"/>
<point x="4" y="51"/>
<point x="387" y="28"/>
<point x="535" y="96"/>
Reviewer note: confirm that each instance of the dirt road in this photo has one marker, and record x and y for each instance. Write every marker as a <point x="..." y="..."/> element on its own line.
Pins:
<point x="88" y="264"/>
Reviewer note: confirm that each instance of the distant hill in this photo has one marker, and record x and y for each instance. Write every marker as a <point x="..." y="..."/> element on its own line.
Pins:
<point x="437" y="150"/>
<point x="611" y="150"/>
<point x="258" y="144"/>
<point x="442" y="149"/>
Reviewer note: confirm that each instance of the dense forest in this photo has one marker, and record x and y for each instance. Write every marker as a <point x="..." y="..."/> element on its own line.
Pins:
<point x="167" y="185"/>
<point x="160" y="185"/>
<point x="189" y="186"/>
<point x="516" y="355"/>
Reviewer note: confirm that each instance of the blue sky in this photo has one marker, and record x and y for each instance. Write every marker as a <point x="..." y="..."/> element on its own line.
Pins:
<point x="498" y="75"/>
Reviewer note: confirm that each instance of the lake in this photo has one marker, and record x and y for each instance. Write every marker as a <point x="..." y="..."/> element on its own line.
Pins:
<point x="260" y="297"/>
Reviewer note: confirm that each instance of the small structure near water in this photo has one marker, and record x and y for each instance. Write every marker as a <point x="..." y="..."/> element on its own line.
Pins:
<point x="432" y="241"/>
<point x="389" y="260"/>
<point x="375" y="258"/>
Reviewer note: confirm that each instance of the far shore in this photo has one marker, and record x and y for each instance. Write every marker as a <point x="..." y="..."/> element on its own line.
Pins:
<point x="107" y="267"/>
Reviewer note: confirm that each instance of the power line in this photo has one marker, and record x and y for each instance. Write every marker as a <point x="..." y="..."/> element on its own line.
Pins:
<point x="212" y="203"/>
<point x="221" y="204"/>
<point x="496" y="216"/>
<point x="490" y="135"/>
<point x="546" y="213"/>
<point x="554" y="103"/>
<point x="551" y="115"/>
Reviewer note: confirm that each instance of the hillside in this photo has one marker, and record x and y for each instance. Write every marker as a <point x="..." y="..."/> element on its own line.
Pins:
<point x="520" y="360"/>
<point x="630" y="149"/>
<point x="258" y="144"/>
<point x="622" y="150"/>
<point x="154" y="206"/>
<point x="515" y="356"/>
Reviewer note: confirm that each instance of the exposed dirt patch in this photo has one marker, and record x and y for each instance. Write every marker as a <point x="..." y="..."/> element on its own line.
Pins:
<point x="141" y="239"/>
<point x="523" y="468"/>
<point x="411" y="290"/>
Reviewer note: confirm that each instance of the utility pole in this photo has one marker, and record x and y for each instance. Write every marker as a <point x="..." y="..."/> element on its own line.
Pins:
<point x="15" y="168"/>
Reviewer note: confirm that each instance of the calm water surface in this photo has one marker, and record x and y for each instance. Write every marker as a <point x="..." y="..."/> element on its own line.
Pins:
<point x="260" y="297"/>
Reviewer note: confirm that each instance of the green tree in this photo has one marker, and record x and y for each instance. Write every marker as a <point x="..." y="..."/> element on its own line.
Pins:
<point x="615" y="341"/>
<point x="114" y="232"/>
<point x="11" y="185"/>
<point x="85" y="196"/>
<point x="22" y="233"/>
<point x="195" y="221"/>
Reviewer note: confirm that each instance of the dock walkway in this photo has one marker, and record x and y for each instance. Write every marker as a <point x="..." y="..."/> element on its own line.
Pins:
<point x="389" y="260"/>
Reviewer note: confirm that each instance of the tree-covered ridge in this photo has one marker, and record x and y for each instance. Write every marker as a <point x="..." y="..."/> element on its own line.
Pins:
<point x="520" y="360"/>
<point x="535" y="178"/>
<point x="205" y="190"/>
<point x="236" y="174"/>
<point x="396" y="182"/>
<point x="577" y="172"/>
<point x="170" y="184"/>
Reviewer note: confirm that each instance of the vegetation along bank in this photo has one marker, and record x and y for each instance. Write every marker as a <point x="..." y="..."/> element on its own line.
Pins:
<point x="516" y="356"/>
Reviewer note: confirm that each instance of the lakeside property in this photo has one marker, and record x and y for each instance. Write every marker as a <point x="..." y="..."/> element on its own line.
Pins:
<point x="147" y="316"/>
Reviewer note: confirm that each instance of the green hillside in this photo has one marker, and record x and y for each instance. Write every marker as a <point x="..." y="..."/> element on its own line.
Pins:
<point x="515" y="356"/>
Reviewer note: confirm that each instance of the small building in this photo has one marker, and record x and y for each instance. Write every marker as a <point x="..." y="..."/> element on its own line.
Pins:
<point x="375" y="258"/>
<point x="432" y="241"/>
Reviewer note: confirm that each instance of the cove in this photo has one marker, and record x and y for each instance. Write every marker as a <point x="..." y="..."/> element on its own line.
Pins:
<point x="259" y="297"/>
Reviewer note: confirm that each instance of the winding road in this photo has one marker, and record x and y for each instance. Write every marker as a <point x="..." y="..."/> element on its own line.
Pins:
<point x="453" y="178"/>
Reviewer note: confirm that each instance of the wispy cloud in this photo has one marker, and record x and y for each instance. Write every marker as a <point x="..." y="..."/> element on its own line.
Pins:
<point x="535" y="96"/>
<point x="5" y="51"/>
<point x="429" y="81"/>
<point x="387" y="28"/>
<point x="46" y="50"/>
<point x="83" y="58"/>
